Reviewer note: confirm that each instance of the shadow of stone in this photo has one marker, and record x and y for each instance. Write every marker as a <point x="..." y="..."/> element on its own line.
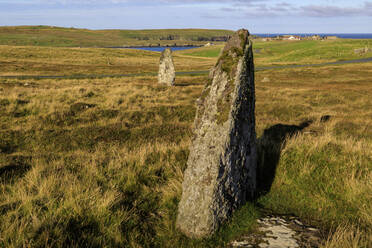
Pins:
<point x="17" y="168"/>
<point x="270" y="145"/>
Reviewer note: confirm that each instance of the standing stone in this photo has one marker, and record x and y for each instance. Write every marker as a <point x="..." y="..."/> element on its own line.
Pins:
<point x="167" y="73"/>
<point x="221" y="168"/>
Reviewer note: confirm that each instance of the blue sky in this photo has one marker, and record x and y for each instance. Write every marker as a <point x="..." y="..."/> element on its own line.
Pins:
<point x="259" y="16"/>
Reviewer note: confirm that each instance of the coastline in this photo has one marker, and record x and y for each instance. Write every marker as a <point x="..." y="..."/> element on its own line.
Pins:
<point x="157" y="46"/>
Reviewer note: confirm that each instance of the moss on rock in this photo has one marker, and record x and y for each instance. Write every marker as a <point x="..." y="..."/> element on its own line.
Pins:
<point x="228" y="62"/>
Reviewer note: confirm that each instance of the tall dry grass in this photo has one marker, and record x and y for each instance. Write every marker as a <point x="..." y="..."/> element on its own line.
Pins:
<point x="26" y="60"/>
<point x="100" y="162"/>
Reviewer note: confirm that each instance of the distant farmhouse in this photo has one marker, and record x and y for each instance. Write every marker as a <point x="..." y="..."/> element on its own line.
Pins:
<point x="291" y="37"/>
<point x="288" y="37"/>
<point x="297" y="37"/>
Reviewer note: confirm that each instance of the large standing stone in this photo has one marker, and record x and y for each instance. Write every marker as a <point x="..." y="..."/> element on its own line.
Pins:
<point x="167" y="73"/>
<point x="221" y="168"/>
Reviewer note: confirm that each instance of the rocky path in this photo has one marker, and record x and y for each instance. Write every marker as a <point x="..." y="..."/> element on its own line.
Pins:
<point x="365" y="60"/>
<point x="280" y="232"/>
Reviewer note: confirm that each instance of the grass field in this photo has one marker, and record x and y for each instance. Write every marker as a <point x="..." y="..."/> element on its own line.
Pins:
<point x="36" y="60"/>
<point x="296" y="52"/>
<point x="23" y="60"/>
<point x="309" y="51"/>
<point x="73" y="37"/>
<point x="99" y="162"/>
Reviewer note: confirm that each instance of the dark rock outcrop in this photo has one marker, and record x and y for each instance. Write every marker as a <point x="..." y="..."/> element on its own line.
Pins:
<point x="221" y="168"/>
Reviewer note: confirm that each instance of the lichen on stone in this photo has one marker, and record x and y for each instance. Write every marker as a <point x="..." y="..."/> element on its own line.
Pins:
<point x="207" y="89"/>
<point x="201" y="102"/>
<point x="224" y="103"/>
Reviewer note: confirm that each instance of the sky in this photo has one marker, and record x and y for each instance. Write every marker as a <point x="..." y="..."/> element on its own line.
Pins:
<point x="258" y="16"/>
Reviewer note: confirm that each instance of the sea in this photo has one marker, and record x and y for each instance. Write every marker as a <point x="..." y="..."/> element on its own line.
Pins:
<point x="340" y="35"/>
<point x="177" y="48"/>
<point x="160" y="49"/>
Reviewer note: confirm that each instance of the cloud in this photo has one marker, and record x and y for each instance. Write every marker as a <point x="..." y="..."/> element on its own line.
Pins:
<point x="335" y="11"/>
<point x="218" y="8"/>
<point x="260" y="9"/>
<point x="126" y="1"/>
<point x="270" y="9"/>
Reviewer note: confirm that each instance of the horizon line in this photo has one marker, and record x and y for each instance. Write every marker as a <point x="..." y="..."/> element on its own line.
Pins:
<point x="139" y="29"/>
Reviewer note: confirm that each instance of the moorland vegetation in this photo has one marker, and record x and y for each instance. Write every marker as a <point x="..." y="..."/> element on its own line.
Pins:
<point x="74" y="37"/>
<point x="100" y="162"/>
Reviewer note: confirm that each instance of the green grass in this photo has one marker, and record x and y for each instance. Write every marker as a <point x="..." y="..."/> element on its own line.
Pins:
<point x="38" y="60"/>
<point x="209" y="52"/>
<point x="73" y="37"/>
<point x="99" y="163"/>
<point x="323" y="172"/>
<point x="308" y="51"/>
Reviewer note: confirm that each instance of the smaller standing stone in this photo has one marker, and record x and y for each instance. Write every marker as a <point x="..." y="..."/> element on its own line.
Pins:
<point x="167" y="74"/>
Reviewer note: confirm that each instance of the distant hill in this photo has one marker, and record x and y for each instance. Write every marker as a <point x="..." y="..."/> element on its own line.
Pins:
<point x="73" y="37"/>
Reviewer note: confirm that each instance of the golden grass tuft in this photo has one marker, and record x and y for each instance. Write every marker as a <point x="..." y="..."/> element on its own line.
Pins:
<point x="347" y="237"/>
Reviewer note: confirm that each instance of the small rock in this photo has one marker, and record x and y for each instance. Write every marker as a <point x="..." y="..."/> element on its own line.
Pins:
<point x="80" y="107"/>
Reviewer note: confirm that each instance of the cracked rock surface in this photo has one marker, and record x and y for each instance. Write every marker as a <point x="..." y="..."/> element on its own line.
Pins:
<point x="280" y="232"/>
